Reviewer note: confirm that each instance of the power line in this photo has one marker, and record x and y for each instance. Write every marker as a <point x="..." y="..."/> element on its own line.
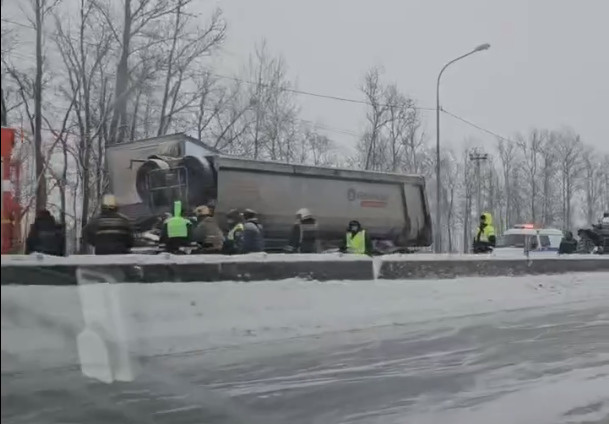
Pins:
<point x="478" y="127"/>
<point x="341" y="99"/>
<point x="318" y="95"/>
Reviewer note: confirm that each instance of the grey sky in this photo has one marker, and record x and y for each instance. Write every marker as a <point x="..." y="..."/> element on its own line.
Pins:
<point x="548" y="65"/>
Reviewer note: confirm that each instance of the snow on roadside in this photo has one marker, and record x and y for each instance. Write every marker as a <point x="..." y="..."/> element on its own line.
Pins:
<point x="182" y="317"/>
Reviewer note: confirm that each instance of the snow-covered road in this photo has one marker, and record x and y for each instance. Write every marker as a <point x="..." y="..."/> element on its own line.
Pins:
<point x="478" y="350"/>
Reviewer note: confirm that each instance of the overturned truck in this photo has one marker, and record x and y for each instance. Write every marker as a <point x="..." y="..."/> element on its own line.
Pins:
<point x="148" y="175"/>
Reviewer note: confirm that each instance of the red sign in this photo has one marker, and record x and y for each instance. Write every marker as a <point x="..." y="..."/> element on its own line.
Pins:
<point x="8" y="141"/>
<point x="373" y="204"/>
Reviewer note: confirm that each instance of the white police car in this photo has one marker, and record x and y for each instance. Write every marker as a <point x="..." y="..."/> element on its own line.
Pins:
<point x="527" y="239"/>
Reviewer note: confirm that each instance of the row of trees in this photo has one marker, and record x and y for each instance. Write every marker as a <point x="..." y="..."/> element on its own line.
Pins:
<point x="107" y="72"/>
<point x="547" y="177"/>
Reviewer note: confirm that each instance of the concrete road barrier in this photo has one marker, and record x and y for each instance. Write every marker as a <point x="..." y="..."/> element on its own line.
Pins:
<point x="409" y="268"/>
<point x="147" y="269"/>
<point x="61" y="275"/>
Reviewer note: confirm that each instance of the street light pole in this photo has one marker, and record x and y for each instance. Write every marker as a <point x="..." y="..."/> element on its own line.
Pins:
<point x="438" y="232"/>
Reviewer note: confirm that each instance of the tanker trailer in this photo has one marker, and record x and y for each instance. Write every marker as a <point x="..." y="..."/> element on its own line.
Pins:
<point x="392" y="207"/>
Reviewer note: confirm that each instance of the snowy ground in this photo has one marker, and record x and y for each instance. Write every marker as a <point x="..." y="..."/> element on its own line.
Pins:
<point x="477" y="350"/>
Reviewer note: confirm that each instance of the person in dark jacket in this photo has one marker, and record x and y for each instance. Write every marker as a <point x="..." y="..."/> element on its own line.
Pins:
<point x="45" y="236"/>
<point x="568" y="244"/>
<point x="233" y="243"/>
<point x="110" y="232"/>
<point x="304" y="237"/>
<point x="207" y="234"/>
<point x="253" y="235"/>
<point x="356" y="240"/>
<point x="177" y="230"/>
<point x="605" y="220"/>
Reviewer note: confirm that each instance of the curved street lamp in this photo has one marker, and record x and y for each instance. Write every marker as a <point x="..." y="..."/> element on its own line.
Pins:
<point x="438" y="233"/>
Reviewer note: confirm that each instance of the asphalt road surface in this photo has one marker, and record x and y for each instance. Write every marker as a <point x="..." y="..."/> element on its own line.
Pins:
<point x="517" y="367"/>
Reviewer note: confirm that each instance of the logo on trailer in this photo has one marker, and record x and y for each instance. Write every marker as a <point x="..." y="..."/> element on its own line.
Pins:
<point x="351" y="194"/>
<point x="367" y="199"/>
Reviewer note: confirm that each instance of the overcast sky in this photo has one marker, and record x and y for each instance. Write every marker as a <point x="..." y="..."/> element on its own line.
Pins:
<point x="548" y="65"/>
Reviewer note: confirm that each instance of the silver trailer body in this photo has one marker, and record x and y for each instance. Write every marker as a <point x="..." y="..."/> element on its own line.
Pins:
<point x="148" y="175"/>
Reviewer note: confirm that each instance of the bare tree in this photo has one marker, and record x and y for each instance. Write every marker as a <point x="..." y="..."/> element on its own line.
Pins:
<point x="377" y="117"/>
<point x="188" y="44"/>
<point x="41" y="9"/>
<point x="31" y="91"/>
<point x="397" y="126"/>
<point x="135" y="35"/>
<point x="226" y="123"/>
<point x="468" y="196"/>
<point x="393" y="139"/>
<point x="548" y="173"/>
<point x="569" y="149"/>
<point x="451" y="184"/>
<point x="85" y="51"/>
<point x="315" y="148"/>
<point x="530" y="148"/>
<point x="507" y="156"/>
<point x="62" y="180"/>
<point x="605" y="177"/>
<point x="417" y="159"/>
<point x="271" y="107"/>
<point x="593" y="180"/>
<point x="6" y="42"/>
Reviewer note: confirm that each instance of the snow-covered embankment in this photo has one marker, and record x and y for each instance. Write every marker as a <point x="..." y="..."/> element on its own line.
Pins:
<point x="39" y="324"/>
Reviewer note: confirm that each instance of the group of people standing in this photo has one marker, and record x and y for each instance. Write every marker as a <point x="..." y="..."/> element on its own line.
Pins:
<point x="485" y="239"/>
<point x="594" y="239"/>
<point x="110" y="232"/>
<point x="245" y="234"/>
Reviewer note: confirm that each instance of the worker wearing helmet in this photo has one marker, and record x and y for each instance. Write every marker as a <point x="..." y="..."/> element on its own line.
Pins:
<point x="304" y="236"/>
<point x="233" y="243"/>
<point x="484" y="241"/>
<point x="110" y="233"/>
<point x="207" y="234"/>
<point x="253" y="232"/>
<point x="356" y="240"/>
<point x="177" y="230"/>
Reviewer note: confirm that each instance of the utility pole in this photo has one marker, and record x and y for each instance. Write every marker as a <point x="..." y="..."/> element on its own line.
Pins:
<point x="478" y="156"/>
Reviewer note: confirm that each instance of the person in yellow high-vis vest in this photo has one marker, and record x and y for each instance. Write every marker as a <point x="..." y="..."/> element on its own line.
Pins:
<point x="357" y="240"/>
<point x="233" y="243"/>
<point x="177" y="230"/>
<point x="484" y="241"/>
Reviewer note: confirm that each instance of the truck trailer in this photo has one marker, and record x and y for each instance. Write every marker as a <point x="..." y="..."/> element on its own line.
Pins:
<point x="147" y="176"/>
